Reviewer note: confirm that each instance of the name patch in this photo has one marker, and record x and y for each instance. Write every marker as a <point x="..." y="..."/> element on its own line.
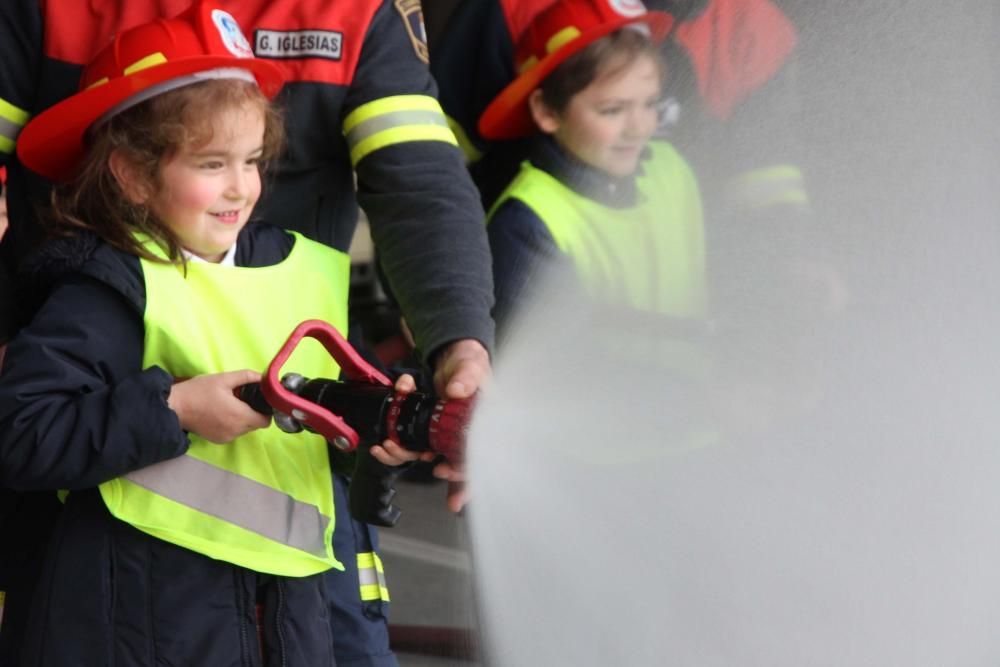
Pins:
<point x="298" y="44"/>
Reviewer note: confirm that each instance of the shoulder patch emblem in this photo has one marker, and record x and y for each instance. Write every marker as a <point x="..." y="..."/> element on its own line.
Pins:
<point x="326" y="44"/>
<point x="413" y="18"/>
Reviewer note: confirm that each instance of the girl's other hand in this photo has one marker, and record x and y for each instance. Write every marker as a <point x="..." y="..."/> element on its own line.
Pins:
<point x="207" y="406"/>
<point x="389" y="452"/>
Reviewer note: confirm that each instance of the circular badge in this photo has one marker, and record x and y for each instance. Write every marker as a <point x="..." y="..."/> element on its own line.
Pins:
<point x="628" y="8"/>
<point x="232" y="36"/>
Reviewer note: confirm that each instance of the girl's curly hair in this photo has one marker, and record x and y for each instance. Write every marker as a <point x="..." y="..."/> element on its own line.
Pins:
<point x="147" y="134"/>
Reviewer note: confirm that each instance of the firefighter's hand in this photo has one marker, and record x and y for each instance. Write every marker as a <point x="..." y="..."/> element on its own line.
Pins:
<point x="461" y="368"/>
<point x="389" y="452"/>
<point x="207" y="406"/>
<point x="457" y="493"/>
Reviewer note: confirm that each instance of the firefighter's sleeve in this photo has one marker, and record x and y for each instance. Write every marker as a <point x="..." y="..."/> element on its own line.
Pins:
<point x="20" y="53"/>
<point x="766" y="232"/>
<point x="425" y="215"/>
<point x="6" y="297"/>
<point x="472" y="62"/>
<point x="766" y="179"/>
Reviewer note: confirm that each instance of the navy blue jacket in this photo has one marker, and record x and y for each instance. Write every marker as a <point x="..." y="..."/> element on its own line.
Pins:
<point x="520" y="241"/>
<point x="79" y="367"/>
<point x="75" y="405"/>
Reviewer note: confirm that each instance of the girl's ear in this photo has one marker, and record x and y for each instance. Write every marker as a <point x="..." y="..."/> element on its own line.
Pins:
<point x="134" y="187"/>
<point x="545" y="117"/>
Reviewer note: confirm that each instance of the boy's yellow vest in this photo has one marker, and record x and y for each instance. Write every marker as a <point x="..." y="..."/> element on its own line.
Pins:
<point x="651" y="256"/>
<point x="648" y="258"/>
<point x="265" y="500"/>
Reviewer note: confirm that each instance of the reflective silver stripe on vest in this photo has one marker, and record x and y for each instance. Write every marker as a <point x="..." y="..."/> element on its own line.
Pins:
<point x="392" y="119"/>
<point x="237" y="500"/>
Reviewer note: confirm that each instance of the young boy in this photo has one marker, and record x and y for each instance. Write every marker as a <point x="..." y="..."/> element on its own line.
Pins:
<point x="624" y="211"/>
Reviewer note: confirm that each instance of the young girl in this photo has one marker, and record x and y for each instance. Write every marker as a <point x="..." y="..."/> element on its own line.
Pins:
<point x="187" y="512"/>
<point x="624" y="211"/>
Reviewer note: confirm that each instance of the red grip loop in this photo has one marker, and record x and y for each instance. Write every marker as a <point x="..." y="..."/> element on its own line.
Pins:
<point x="315" y="417"/>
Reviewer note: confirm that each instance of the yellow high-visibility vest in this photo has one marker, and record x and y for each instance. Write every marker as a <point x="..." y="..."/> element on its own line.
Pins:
<point x="265" y="500"/>
<point x="646" y="260"/>
<point x="651" y="256"/>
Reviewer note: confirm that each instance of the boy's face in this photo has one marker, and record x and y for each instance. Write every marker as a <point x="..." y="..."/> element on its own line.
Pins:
<point x="208" y="191"/>
<point x="609" y="123"/>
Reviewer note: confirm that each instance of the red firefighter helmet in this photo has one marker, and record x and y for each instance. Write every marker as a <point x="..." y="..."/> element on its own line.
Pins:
<point x="201" y="43"/>
<point x="553" y="36"/>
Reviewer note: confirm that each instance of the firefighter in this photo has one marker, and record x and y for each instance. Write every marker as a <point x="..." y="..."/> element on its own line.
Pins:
<point x="187" y="508"/>
<point x="623" y="209"/>
<point x="360" y="101"/>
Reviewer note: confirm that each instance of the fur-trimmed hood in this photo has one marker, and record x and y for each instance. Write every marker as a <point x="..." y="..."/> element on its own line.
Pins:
<point x="82" y="253"/>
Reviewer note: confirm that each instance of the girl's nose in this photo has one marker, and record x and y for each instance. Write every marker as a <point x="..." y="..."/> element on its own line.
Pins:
<point x="239" y="183"/>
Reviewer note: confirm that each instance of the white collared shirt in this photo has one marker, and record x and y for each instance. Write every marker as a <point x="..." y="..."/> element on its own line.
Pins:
<point x="229" y="259"/>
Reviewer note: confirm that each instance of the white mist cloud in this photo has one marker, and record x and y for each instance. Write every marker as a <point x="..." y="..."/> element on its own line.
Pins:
<point x="829" y="493"/>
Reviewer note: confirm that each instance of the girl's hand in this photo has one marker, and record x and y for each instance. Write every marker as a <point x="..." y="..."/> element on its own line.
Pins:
<point x="206" y="406"/>
<point x="389" y="452"/>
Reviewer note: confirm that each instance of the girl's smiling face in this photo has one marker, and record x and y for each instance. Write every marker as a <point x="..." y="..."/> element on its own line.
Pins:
<point x="608" y="123"/>
<point x="207" y="191"/>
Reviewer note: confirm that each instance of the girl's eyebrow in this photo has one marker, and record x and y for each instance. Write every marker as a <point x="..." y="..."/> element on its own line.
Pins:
<point x="222" y="152"/>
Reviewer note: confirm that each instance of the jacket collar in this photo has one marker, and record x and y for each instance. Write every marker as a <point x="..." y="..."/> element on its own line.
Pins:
<point x="583" y="179"/>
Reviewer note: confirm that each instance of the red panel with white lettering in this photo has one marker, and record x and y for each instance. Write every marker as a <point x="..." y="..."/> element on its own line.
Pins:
<point x="312" y="40"/>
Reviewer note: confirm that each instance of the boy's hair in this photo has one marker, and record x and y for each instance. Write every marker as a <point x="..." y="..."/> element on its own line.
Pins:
<point x="606" y="56"/>
<point x="147" y="134"/>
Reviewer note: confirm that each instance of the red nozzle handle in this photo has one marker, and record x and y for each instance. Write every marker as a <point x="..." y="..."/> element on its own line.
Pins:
<point x="318" y="418"/>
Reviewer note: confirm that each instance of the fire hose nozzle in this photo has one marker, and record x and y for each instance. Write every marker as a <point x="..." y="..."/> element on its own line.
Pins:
<point x="363" y="409"/>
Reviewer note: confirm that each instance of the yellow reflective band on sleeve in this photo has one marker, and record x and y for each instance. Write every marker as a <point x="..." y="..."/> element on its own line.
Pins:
<point x="395" y="120"/>
<point x="472" y="154"/>
<point x="12" y="120"/>
<point x="772" y="186"/>
<point x="372" y="577"/>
